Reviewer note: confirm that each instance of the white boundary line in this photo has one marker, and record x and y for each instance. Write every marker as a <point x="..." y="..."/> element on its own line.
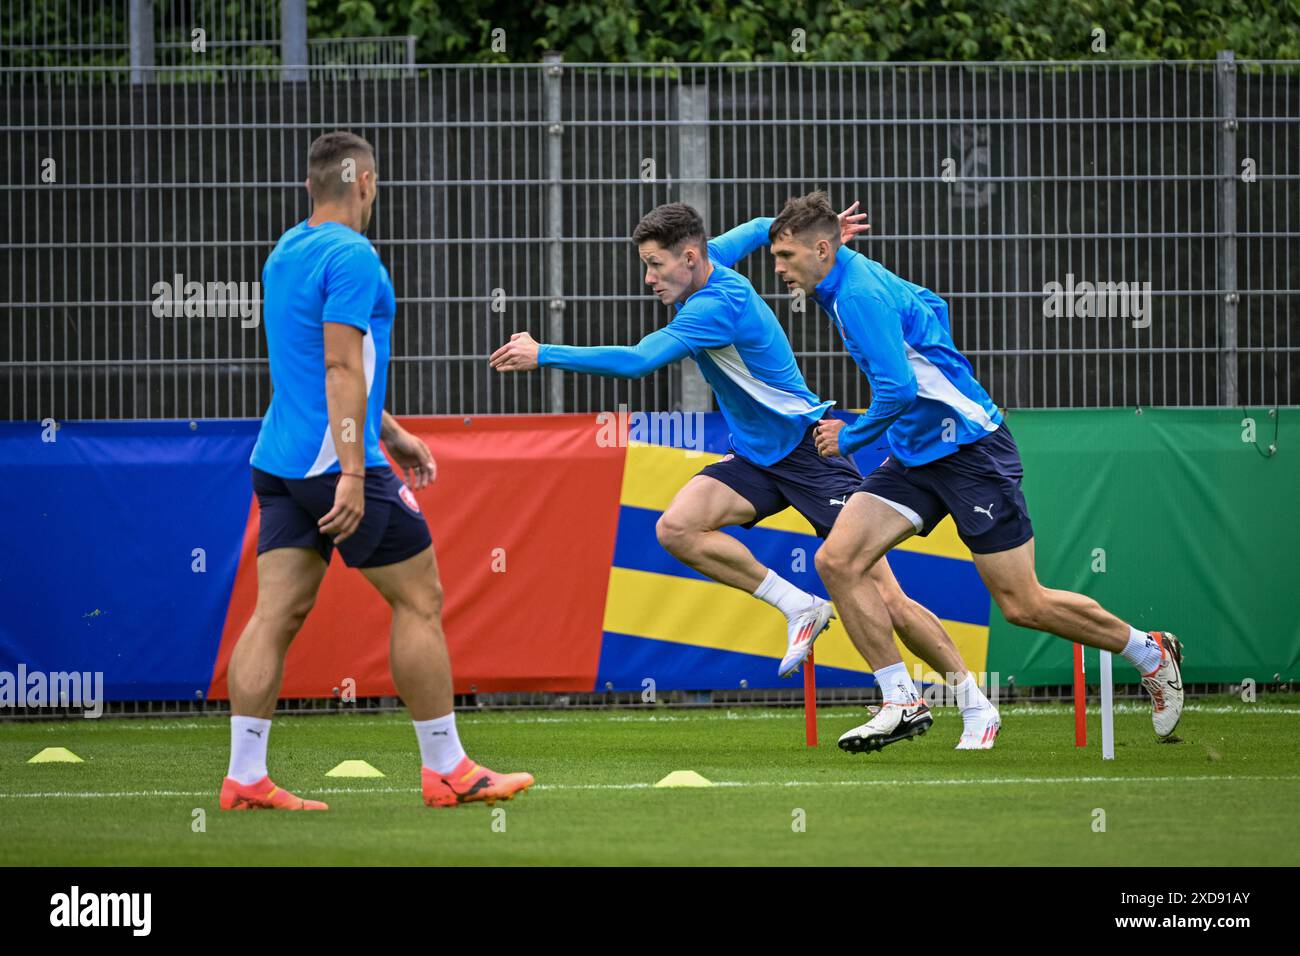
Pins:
<point x="955" y="782"/>
<point x="620" y="717"/>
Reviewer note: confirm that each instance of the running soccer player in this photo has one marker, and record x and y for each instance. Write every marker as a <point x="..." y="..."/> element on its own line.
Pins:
<point x="745" y="356"/>
<point x="322" y="482"/>
<point x="951" y="453"/>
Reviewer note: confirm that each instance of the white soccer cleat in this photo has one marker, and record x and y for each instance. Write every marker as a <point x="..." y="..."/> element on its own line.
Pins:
<point x="1165" y="685"/>
<point x="803" y="631"/>
<point x="891" y="723"/>
<point x="981" y="730"/>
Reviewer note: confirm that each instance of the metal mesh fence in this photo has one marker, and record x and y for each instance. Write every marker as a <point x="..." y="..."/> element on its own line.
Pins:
<point x="177" y="34"/>
<point x="508" y="194"/>
<point x="92" y="32"/>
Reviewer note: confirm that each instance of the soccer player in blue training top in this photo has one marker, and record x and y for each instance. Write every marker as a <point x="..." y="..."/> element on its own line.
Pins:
<point x="745" y="356"/>
<point x="951" y="453"/>
<point x="322" y="481"/>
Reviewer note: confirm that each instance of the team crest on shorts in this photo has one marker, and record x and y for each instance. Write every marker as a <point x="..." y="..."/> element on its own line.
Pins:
<point x="408" y="498"/>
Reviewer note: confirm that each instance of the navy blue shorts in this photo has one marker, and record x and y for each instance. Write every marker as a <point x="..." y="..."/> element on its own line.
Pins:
<point x="391" y="530"/>
<point x="979" y="485"/>
<point x="816" y="487"/>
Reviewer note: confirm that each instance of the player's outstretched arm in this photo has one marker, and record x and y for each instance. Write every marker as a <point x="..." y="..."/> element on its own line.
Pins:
<point x="735" y="244"/>
<point x="522" y="354"/>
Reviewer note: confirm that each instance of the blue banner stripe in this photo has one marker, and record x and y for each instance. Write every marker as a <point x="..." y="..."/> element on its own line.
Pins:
<point x="626" y="661"/>
<point x="118" y="513"/>
<point x="951" y="589"/>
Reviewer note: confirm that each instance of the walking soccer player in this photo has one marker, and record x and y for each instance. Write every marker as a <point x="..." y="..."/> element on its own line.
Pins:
<point x="951" y="453"/>
<point x="745" y="356"/>
<point x="322" y="481"/>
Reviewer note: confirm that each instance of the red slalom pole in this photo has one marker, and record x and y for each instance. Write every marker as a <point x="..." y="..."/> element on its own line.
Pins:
<point x="810" y="701"/>
<point x="1080" y="700"/>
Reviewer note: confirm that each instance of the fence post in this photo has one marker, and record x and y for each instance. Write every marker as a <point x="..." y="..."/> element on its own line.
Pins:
<point x="693" y="164"/>
<point x="293" y="41"/>
<point x="1225" y="75"/>
<point x="552" y="75"/>
<point x="141" y="41"/>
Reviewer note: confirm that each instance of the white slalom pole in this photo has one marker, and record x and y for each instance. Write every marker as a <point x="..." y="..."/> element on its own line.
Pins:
<point x="1107" y="709"/>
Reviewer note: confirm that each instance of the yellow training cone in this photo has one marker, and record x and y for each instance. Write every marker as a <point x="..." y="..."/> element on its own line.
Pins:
<point x="354" y="768"/>
<point x="684" y="778"/>
<point x="56" y="755"/>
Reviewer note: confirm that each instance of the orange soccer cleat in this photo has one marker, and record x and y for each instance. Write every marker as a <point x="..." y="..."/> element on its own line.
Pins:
<point x="470" y="782"/>
<point x="263" y="795"/>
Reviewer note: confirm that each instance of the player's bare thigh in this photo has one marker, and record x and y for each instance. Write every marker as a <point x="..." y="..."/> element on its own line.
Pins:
<point x="413" y="584"/>
<point x="1010" y="575"/>
<point x="706" y="504"/>
<point x="287" y="582"/>
<point x="863" y="533"/>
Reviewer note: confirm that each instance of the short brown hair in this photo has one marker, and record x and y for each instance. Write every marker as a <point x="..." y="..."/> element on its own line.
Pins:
<point x="804" y="214"/>
<point x="671" y="225"/>
<point x="325" y="162"/>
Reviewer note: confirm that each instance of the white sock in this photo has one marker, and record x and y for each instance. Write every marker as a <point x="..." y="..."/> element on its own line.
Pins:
<point x="896" y="684"/>
<point x="970" y="699"/>
<point x="783" y="595"/>
<point x="440" y="747"/>
<point x="248" y="737"/>
<point x="1142" y="651"/>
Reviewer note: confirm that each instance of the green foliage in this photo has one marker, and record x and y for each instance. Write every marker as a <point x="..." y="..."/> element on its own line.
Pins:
<point x="40" y="22"/>
<point x="909" y="30"/>
<point x="745" y="30"/>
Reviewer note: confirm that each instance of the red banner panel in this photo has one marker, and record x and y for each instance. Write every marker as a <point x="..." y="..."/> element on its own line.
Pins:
<point x="523" y="515"/>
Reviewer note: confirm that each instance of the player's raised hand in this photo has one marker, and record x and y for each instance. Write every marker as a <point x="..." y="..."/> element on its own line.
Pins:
<point x="827" y="437"/>
<point x="853" y="224"/>
<point x="517" y="355"/>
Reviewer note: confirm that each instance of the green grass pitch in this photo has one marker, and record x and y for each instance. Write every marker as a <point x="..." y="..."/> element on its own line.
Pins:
<point x="1227" y="794"/>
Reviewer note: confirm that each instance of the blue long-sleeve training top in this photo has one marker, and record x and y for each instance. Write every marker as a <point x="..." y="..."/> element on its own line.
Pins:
<point x="925" y="398"/>
<point x="741" y="350"/>
<point x="924" y="395"/>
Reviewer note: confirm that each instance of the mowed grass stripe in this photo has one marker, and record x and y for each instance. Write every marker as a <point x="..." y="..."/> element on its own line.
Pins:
<point x="956" y="782"/>
<point x="1031" y="800"/>
<point x="619" y="715"/>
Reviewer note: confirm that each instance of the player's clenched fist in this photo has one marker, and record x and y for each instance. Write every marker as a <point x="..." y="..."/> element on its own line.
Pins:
<point x="517" y="355"/>
<point x="828" y="437"/>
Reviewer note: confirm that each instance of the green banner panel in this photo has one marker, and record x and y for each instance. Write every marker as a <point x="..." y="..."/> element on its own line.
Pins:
<point x="1173" y="519"/>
